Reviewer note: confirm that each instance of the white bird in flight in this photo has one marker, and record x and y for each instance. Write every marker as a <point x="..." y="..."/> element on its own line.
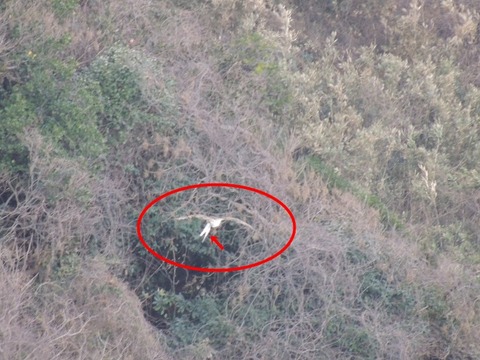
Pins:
<point x="213" y="223"/>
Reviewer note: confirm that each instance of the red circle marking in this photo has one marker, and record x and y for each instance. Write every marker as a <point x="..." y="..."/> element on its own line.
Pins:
<point x="196" y="186"/>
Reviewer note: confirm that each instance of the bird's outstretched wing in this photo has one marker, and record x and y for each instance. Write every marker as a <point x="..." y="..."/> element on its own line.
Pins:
<point x="238" y="221"/>
<point x="205" y="231"/>
<point x="213" y="222"/>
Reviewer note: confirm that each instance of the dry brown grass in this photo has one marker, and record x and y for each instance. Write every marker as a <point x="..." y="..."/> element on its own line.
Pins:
<point x="56" y="300"/>
<point x="93" y="317"/>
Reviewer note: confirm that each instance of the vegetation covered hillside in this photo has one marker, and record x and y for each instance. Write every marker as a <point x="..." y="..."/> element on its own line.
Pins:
<point x="362" y="117"/>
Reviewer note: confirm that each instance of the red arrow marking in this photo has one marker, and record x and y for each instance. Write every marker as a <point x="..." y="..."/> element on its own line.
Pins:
<point x="214" y="239"/>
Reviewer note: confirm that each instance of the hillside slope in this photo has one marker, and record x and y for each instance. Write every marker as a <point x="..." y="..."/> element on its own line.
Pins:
<point x="363" y="120"/>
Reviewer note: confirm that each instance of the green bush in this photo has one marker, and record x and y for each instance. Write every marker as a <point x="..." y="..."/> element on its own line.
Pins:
<point x="128" y="98"/>
<point x="349" y="336"/>
<point x="262" y="65"/>
<point x="193" y="320"/>
<point x="80" y="110"/>
<point x="16" y="113"/>
<point x="376" y="289"/>
<point x="435" y="306"/>
<point x="169" y="305"/>
<point x="401" y="131"/>
<point x="50" y="96"/>
<point x="64" y="8"/>
<point x="120" y="94"/>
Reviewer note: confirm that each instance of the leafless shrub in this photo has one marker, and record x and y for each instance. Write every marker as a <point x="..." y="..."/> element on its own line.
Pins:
<point x="95" y="316"/>
<point x="56" y="302"/>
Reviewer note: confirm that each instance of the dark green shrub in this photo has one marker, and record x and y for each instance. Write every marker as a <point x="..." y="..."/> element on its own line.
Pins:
<point x="81" y="112"/>
<point x="375" y="289"/>
<point x="64" y="8"/>
<point x="16" y="113"/>
<point x="350" y="337"/>
<point x="261" y="63"/>
<point x="50" y="96"/>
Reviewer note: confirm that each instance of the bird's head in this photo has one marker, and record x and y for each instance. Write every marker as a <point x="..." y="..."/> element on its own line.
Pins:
<point x="216" y="222"/>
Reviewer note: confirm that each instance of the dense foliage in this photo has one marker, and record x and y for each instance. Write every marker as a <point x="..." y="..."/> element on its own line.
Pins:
<point x="363" y="117"/>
